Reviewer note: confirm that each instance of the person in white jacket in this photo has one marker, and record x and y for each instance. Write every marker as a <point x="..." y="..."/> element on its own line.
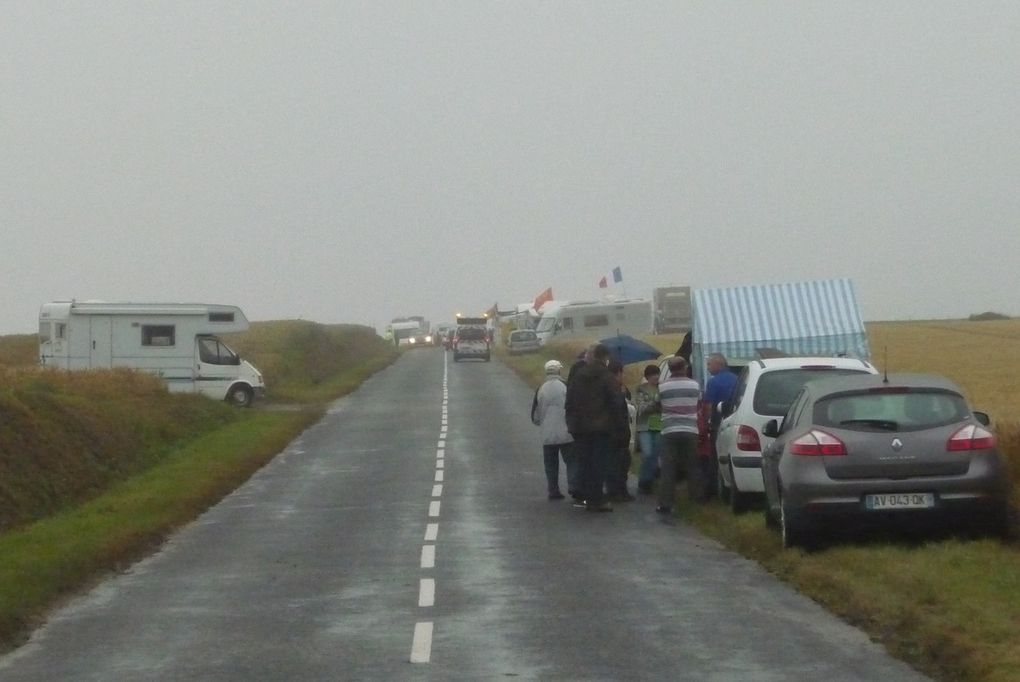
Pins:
<point x="547" y="411"/>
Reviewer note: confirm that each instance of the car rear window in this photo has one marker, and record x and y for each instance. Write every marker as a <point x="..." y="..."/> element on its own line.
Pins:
<point x="471" y="334"/>
<point x="523" y="336"/>
<point x="903" y="411"/>
<point x="776" y="390"/>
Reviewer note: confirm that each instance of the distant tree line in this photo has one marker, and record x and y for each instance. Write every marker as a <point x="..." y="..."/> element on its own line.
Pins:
<point x="986" y="316"/>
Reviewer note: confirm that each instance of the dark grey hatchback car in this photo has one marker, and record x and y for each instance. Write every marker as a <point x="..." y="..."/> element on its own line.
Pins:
<point x="868" y="447"/>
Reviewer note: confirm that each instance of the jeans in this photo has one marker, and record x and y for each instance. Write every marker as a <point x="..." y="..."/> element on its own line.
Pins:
<point x="649" y="457"/>
<point x="593" y="451"/>
<point x="680" y="452"/>
<point x="551" y="454"/>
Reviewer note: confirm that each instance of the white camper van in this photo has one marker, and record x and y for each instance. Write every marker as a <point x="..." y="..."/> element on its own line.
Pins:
<point x="175" y="341"/>
<point x="595" y="320"/>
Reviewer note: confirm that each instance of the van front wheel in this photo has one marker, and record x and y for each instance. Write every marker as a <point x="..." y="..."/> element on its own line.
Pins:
<point x="240" y="396"/>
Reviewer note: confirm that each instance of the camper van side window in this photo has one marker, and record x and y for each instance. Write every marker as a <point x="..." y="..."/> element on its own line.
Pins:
<point x="596" y="320"/>
<point x="157" y="335"/>
<point x="61" y="330"/>
<point x="567" y="323"/>
<point x="221" y="317"/>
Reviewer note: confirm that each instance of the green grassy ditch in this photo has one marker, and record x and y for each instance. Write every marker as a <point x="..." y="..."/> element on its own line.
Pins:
<point x="98" y="467"/>
<point x="950" y="607"/>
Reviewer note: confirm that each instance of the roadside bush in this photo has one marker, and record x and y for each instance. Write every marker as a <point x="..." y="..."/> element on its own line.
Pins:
<point x="305" y="361"/>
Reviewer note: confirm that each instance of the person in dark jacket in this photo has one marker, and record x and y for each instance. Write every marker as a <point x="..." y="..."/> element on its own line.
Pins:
<point x="592" y="398"/>
<point x="619" y="459"/>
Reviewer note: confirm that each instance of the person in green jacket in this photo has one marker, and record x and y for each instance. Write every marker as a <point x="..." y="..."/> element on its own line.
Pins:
<point x="648" y="426"/>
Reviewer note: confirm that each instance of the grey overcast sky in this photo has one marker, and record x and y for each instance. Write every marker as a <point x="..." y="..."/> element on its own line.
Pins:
<point x="355" y="161"/>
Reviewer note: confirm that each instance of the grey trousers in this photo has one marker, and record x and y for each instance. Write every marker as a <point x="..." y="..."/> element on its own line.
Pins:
<point x="679" y="453"/>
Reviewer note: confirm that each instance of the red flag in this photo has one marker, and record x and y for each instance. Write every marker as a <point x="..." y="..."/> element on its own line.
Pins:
<point x="603" y="283"/>
<point x="543" y="298"/>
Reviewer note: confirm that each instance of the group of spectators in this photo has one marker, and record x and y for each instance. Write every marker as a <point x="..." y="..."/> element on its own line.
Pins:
<point x="586" y="419"/>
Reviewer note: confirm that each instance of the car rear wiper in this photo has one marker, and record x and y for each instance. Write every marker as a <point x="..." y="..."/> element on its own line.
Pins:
<point x="887" y="424"/>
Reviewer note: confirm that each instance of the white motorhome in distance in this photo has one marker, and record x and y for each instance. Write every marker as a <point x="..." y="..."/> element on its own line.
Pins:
<point x="175" y="341"/>
<point x="595" y="320"/>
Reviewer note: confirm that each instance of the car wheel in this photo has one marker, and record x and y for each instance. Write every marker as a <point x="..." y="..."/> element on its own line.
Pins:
<point x="793" y="527"/>
<point x="996" y="522"/>
<point x="240" y="396"/>
<point x="737" y="499"/>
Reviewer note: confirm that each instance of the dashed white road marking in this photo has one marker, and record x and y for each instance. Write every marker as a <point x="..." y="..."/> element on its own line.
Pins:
<point x="421" y="645"/>
<point x="428" y="556"/>
<point x="427" y="592"/>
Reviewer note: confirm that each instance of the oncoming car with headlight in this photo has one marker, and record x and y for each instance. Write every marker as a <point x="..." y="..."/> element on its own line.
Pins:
<point x="421" y="339"/>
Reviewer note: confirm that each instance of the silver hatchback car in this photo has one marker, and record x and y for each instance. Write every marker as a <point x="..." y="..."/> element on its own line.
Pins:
<point x="522" y="341"/>
<point x="871" y="447"/>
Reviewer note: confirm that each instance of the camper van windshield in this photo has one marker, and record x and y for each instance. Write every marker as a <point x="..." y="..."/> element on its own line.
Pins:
<point x="546" y="324"/>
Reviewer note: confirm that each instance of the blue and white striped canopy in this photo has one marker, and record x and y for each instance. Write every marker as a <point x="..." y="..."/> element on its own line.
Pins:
<point x="800" y="318"/>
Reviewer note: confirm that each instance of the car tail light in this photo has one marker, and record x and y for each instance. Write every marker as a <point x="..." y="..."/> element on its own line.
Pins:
<point x="817" y="443"/>
<point x="747" y="439"/>
<point x="970" y="437"/>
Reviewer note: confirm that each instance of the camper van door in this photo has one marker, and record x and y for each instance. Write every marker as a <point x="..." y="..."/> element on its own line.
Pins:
<point x="100" y="341"/>
<point x="217" y="366"/>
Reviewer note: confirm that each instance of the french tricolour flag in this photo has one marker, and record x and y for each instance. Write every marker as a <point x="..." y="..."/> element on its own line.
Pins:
<point x="616" y="276"/>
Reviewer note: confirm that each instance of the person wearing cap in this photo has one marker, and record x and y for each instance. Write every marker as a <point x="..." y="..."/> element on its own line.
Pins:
<point x="679" y="396"/>
<point x="547" y="411"/>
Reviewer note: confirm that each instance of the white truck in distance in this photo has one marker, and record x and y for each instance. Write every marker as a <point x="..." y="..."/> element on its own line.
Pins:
<point x="175" y="341"/>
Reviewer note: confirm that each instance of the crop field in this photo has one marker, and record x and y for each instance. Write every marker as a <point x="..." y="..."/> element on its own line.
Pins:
<point x="19" y="350"/>
<point x="948" y="605"/>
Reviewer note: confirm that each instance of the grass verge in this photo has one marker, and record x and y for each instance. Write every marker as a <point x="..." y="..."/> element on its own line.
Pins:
<point x="950" y="607"/>
<point x="45" y="560"/>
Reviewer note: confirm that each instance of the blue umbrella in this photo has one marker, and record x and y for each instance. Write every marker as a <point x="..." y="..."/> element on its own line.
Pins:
<point x="626" y="349"/>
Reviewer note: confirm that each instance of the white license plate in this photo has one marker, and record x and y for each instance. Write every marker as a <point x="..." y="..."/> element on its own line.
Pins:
<point x="900" y="501"/>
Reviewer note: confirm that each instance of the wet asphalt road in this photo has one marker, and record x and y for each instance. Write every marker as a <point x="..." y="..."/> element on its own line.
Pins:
<point x="378" y="538"/>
